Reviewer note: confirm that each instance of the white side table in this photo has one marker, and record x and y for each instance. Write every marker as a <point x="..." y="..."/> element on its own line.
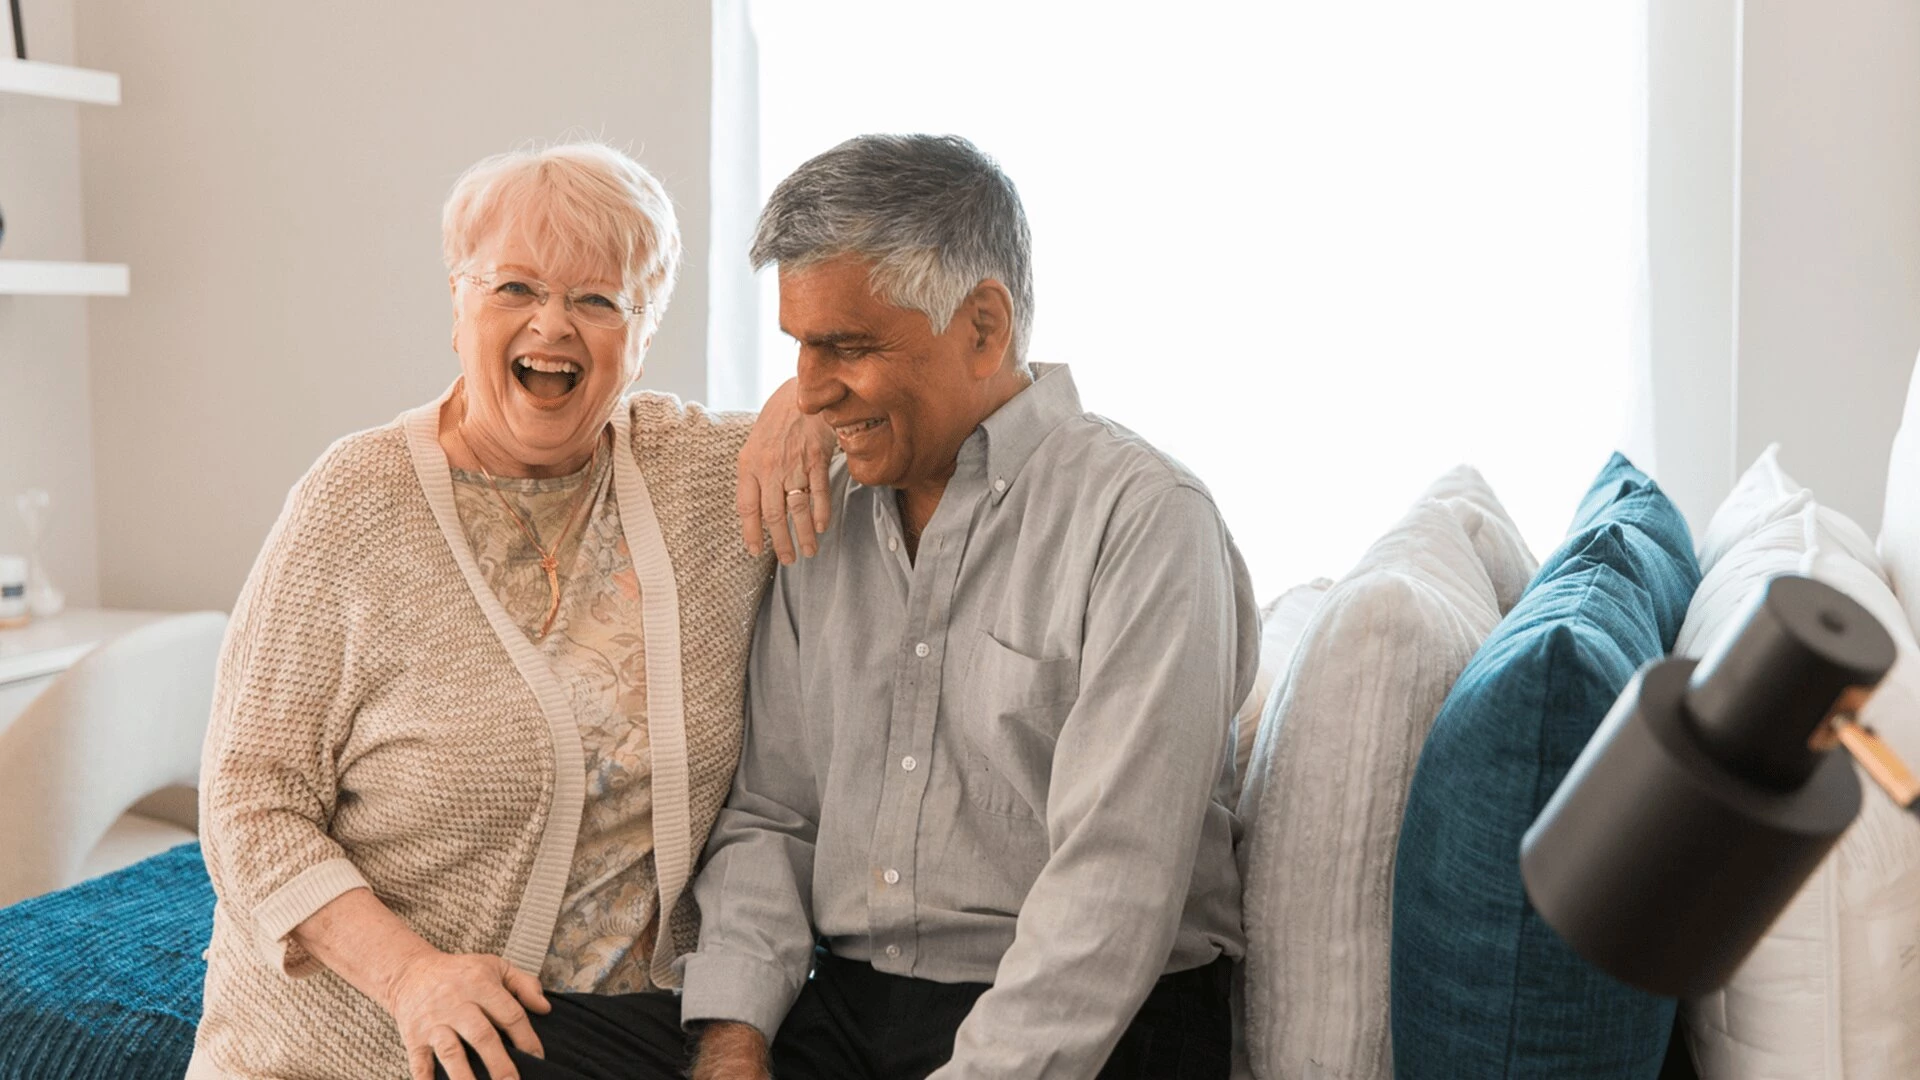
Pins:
<point x="50" y="646"/>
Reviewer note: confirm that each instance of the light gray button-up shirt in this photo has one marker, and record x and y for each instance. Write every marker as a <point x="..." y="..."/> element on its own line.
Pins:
<point x="1005" y="762"/>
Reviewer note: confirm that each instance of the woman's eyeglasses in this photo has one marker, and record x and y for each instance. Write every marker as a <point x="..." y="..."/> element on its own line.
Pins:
<point x="517" y="292"/>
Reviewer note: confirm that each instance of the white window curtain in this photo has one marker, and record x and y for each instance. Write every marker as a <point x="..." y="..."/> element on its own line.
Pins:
<point x="1318" y="252"/>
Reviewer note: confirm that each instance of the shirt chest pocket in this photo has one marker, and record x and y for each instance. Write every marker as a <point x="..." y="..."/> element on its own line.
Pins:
<point x="1017" y="704"/>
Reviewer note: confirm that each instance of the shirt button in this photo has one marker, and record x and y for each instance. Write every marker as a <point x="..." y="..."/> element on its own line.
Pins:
<point x="893" y="951"/>
<point x="909" y="764"/>
<point x="893" y="543"/>
<point x="892" y="877"/>
<point x="921" y="650"/>
<point x="1000" y="484"/>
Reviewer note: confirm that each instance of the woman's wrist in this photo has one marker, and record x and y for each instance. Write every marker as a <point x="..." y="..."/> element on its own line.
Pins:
<point x="361" y="940"/>
<point x="394" y="971"/>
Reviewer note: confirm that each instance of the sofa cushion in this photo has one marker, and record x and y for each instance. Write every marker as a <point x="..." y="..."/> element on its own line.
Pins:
<point x="1481" y="986"/>
<point x="1330" y="771"/>
<point x="102" y="981"/>
<point x="1282" y="623"/>
<point x="1825" y="995"/>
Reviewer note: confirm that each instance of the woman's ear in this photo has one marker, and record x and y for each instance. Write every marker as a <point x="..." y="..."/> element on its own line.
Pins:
<point x="989" y="312"/>
<point x="637" y="360"/>
<point x="453" y="295"/>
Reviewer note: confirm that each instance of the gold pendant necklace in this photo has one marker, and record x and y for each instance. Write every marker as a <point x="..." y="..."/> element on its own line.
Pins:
<point x="549" y="557"/>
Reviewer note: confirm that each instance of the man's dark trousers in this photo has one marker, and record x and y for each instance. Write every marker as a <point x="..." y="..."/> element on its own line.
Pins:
<point x="854" y="1023"/>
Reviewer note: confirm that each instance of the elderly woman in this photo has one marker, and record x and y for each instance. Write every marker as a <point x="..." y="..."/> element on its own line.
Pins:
<point x="481" y="696"/>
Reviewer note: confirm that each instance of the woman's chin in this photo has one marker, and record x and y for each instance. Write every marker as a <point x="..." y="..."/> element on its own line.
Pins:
<point x="548" y="435"/>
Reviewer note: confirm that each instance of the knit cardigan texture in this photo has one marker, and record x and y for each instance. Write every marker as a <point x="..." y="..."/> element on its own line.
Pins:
<point x="379" y="720"/>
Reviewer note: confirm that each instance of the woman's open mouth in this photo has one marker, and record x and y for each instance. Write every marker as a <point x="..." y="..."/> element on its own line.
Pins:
<point x="546" y="379"/>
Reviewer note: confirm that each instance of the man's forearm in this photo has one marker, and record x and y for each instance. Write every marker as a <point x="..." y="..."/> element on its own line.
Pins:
<point x="730" y="1050"/>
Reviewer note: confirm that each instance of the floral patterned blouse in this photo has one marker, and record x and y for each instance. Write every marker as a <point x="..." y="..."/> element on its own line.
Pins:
<point x="604" y="931"/>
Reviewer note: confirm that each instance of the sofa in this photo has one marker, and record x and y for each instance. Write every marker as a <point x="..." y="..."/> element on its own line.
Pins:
<point x="1424" y="717"/>
<point x="1410" y="720"/>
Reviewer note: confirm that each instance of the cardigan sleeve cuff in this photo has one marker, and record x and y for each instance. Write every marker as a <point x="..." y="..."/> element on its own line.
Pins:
<point x="721" y="987"/>
<point x="291" y="904"/>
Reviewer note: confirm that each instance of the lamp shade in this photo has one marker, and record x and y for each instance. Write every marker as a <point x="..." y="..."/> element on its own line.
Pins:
<point x="1704" y="802"/>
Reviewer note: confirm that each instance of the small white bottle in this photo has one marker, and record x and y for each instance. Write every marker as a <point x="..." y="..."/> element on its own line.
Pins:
<point x="13" y="591"/>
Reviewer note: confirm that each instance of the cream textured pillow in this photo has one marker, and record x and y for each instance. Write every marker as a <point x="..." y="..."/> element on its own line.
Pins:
<point x="1900" y="516"/>
<point x="1824" y="996"/>
<point x="1281" y="624"/>
<point x="1331" y="764"/>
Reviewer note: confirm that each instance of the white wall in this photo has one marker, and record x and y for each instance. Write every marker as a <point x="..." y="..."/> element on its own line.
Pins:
<point x="1784" y="251"/>
<point x="1828" y="245"/>
<point x="1691" y="183"/>
<point x="274" y="178"/>
<point x="275" y="173"/>
<point x="45" y="423"/>
<point x="733" y="294"/>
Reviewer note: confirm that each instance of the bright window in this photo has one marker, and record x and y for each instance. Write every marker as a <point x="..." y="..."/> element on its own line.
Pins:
<point x="1318" y="252"/>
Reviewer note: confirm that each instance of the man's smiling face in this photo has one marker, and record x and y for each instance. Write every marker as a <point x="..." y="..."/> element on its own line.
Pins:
<point x="900" y="397"/>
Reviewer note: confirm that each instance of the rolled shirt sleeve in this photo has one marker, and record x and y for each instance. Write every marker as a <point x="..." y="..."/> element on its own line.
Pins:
<point x="1133" y="774"/>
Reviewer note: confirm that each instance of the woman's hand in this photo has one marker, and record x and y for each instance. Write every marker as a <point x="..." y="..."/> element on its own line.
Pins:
<point x="437" y="999"/>
<point x="731" y="1051"/>
<point x="783" y="476"/>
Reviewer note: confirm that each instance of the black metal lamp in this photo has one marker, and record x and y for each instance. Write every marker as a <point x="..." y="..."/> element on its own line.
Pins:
<point x="1712" y="791"/>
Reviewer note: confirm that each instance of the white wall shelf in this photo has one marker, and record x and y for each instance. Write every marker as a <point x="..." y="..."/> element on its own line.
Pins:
<point x="60" y="82"/>
<point x="22" y="278"/>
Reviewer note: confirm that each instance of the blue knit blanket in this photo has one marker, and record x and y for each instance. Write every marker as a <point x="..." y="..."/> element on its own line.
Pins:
<point x="102" y="981"/>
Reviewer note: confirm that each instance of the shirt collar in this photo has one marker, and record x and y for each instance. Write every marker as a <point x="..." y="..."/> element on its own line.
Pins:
<point x="1018" y="428"/>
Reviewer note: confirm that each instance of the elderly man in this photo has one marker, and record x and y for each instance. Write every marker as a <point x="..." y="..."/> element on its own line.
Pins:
<point x="987" y="735"/>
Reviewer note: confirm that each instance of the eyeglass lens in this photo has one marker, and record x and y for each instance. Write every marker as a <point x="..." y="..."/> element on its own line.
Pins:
<point x="519" y="293"/>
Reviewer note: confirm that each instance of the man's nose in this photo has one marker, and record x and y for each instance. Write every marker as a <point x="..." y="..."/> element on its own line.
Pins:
<point x="816" y="389"/>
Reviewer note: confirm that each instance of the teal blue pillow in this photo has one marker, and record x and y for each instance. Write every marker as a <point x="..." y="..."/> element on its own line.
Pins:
<point x="1481" y="986"/>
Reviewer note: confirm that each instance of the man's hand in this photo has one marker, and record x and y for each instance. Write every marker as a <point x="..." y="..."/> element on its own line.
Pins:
<point x="731" y="1051"/>
<point x="783" y="476"/>
<point x="437" y="999"/>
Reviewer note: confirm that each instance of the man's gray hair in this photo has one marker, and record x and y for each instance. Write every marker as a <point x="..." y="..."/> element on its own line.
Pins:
<point x="936" y="216"/>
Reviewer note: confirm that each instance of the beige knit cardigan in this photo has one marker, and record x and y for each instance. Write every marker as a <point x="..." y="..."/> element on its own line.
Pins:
<point x="379" y="720"/>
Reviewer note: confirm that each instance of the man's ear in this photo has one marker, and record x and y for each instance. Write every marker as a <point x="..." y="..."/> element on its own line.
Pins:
<point x="989" y="313"/>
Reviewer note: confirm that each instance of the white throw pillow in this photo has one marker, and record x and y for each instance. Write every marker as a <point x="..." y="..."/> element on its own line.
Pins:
<point x="1823" y="996"/>
<point x="1900" y="514"/>
<point x="1281" y="624"/>
<point x="1331" y="765"/>
<point x="1765" y="494"/>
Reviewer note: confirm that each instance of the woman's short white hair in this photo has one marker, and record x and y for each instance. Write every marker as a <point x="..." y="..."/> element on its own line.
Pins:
<point x="581" y="201"/>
